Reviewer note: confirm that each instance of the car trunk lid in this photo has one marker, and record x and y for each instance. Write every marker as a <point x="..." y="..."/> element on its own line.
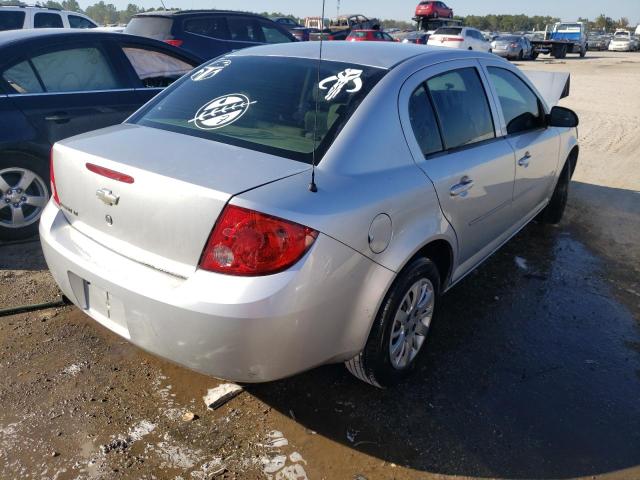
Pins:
<point x="153" y="195"/>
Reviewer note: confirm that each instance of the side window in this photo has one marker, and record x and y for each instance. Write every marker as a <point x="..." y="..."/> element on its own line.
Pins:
<point x="272" y="34"/>
<point x="77" y="69"/>
<point x="156" y="69"/>
<point x="387" y="37"/>
<point x="11" y="20"/>
<point x="244" y="29"/>
<point x="80" y="22"/>
<point x="214" y="27"/>
<point x="378" y="35"/>
<point x="462" y="107"/>
<point x="423" y="122"/>
<point x="47" y="20"/>
<point x="22" y="79"/>
<point x="520" y="106"/>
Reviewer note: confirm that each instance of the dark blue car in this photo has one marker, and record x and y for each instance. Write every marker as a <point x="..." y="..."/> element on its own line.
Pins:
<point x="54" y="84"/>
<point x="208" y="33"/>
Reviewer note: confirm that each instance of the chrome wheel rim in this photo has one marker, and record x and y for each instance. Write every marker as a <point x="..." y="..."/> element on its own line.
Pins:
<point x="411" y="323"/>
<point x="23" y="196"/>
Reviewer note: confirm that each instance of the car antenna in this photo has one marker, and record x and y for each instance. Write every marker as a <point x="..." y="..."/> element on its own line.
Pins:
<point x="163" y="5"/>
<point x="312" y="186"/>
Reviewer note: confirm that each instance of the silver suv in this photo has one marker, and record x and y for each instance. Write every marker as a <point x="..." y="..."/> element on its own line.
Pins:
<point x="18" y="18"/>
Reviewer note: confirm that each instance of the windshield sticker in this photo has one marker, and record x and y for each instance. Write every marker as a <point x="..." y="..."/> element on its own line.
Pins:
<point x="222" y="111"/>
<point x="349" y="75"/>
<point x="210" y="71"/>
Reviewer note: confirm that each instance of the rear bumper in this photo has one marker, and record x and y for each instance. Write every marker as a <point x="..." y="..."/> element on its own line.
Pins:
<point x="505" y="53"/>
<point x="246" y="329"/>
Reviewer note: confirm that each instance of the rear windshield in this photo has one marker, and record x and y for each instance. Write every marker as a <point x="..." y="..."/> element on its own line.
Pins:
<point x="448" y="31"/>
<point x="507" y="38"/>
<point x="568" y="27"/>
<point x="158" y="28"/>
<point x="11" y="20"/>
<point x="273" y="111"/>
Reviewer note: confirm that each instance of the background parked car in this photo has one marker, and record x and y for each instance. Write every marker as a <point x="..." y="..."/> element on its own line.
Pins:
<point x="17" y="18"/>
<point x="621" y="43"/>
<point x="299" y="31"/>
<point x="435" y="9"/>
<point x="460" y="37"/>
<point x="369" y="36"/>
<point x="208" y="33"/>
<point x="419" y="38"/>
<point x="57" y="83"/>
<point x="513" y="47"/>
<point x="597" y="42"/>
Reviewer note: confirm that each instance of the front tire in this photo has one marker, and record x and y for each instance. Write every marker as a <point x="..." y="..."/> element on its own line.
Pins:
<point x="24" y="192"/>
<point x="399" y="332"/>
<point x="553" y="212"/>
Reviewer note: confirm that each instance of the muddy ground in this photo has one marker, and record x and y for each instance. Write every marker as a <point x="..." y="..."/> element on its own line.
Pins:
<point x="533" y="368"/>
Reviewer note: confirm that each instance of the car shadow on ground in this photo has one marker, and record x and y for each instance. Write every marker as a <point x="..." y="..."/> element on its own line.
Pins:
<point x="24" y="255"/>
<point x="533" y="370"/>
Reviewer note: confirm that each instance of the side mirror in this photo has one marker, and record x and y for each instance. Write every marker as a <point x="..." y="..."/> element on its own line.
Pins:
<point x="562" y="117"/>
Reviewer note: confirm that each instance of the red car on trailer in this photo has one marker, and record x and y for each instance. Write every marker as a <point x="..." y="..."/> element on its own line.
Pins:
<point x="434" y="9"/>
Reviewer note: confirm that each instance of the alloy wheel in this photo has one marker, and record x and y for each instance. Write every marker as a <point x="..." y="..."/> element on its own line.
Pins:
<point x="411" y="323"/>
<point x="23" y="196"/>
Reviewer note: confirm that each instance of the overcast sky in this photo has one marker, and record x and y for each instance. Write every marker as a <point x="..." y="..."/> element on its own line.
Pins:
<point x="403" y="9"/>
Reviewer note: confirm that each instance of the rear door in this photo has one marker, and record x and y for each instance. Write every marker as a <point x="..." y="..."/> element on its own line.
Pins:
<point x="71" y="88"/>
<point x="522" y="121"/>
<point x="449" y="124"/>
<point x="47" y="20"/>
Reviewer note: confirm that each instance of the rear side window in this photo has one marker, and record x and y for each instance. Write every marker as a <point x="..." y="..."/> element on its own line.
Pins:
<point x="266" y="104"/>
<point x="22" y="79"/>
<point x="78" y="69"/>
<point x="423" y="122"/>
<point x="80" y="22"/>
<point x="244" y="29"/>
<point x="520" y="106"/>
<point x="462" y="107"/>
<point x="11" y="20"/>
<point x="158" y="28"/>
<point x="213" y="26"/>
<point x="47" y="20"/>
<point x="156" y="69"/>
<point x="272" y="34"/>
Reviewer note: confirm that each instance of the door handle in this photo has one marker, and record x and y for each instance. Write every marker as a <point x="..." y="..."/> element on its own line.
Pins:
<point x="524" y="161"/>
<point x="58" y="117"/>
<point x="461" y="189"/>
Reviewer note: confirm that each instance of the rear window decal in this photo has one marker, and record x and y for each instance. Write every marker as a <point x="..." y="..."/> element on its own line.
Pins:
<point x="210" y="71"/>
<point x="221" y="111"/>
<point x="340" y="80"/>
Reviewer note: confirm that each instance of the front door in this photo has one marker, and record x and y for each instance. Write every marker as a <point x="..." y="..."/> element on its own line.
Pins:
<point x="536" y="146"/>
<point x="454" y="142"/>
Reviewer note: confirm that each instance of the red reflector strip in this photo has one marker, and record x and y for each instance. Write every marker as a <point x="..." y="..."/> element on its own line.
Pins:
<point x="105" y="172"/>
<point x="453" y="39"/>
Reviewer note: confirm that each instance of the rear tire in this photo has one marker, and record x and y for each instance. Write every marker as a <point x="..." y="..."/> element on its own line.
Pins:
<point x="22" y="203"/>
<point x="583" y="52"/>
<point x="553" y="212"/>
<point x="399" y="332"/>
<point x="520" y="55"/>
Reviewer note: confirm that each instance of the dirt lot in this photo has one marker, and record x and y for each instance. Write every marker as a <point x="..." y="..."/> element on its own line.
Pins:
<point x="533" y="369"/>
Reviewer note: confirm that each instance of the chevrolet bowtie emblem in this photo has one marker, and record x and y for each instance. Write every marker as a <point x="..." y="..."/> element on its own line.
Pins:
<point x="107" y="196"/>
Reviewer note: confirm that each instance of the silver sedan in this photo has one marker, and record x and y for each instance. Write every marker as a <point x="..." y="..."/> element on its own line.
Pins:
<point x="269" y="213"/>
<point x="513" y="47"/>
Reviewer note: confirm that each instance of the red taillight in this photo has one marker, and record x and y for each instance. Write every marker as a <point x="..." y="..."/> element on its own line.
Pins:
<point x="249" y="243"/>
<point x="174" y="41"/>
<point x="52" y="178"/>
<point x="105" y="172"/>
<point x="513" y="45"/>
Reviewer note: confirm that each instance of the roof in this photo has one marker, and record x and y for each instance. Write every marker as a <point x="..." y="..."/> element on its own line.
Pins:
<point x="174" y="13"/>
<point x="9" y="38"/>
<point x="374" y="54"/>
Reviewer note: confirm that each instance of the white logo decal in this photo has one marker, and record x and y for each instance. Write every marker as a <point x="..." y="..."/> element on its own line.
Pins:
<point x="341" y="80"/>
<point x="210" y="71"/>
<point x="222" y="111"/>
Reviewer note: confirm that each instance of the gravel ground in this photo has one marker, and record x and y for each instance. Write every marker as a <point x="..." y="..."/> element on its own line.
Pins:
<point x="533" y="369"/>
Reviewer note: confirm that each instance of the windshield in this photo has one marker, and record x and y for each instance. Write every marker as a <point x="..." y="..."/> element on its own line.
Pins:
<point x="622" y="34"/>
<point x="448" y="31"/>
<point x="568" y="27"/>
<point x="264" y="103"/>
